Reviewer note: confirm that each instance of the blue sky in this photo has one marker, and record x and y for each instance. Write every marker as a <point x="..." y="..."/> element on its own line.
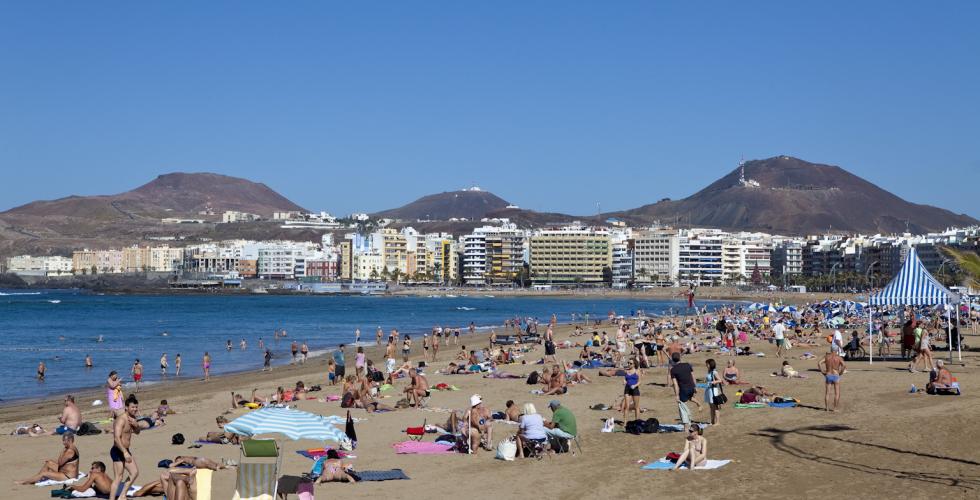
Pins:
<point x="551" y="105"/>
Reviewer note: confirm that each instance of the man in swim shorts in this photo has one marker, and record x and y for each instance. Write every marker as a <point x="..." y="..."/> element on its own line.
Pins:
<point x="832" y="366"/>
<point x="137" y="372"/>
<point x="70" y="418"/>
<point x="123" y="428"/>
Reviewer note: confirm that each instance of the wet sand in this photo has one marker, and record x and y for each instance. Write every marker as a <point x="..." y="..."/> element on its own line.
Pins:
<point x="883" y="442"/>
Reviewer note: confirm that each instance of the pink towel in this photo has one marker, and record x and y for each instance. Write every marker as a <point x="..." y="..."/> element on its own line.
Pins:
<point x="422" y="448"/>
<point x="305" y="491"/>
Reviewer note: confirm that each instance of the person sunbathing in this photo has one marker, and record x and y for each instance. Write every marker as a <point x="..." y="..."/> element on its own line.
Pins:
<point x="63" y="468"/>
<point x="940" y="379"/>
<point x="34" y="430"/>
<point x="220" y="437"/>
<point x="611" y="372"/>
<point x="557" y="382"/>
<point x="695" y="449"/>
<point x="197" y="463"/>
<point x="334" y="470"/>
<point x="97" y="480"/>
<point x="731" y="374"/>
<point x="788" y="371"/>
<point x="454" y="369"/>
<point x="576" y="376"/>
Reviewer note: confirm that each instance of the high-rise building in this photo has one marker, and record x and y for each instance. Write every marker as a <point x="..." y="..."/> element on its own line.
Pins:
<point x="656" y="256"/>
<point x="699" y="259"/>
<point x="571" y="255"/>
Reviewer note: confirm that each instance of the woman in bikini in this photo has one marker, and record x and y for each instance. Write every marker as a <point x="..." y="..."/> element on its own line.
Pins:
<point x="207" y="366"/>
<point x="65" y="467"/>
<point x="695" y="449"/>
<point x="334" y="469"/>
<point x="731" y="374"/>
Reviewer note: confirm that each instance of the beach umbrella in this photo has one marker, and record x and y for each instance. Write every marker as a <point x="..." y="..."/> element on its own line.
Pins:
<point x="788" y="309"/>
<point x="294" y="424"/>
<point x="770" y="308"/>
<point x="755" y="306"/>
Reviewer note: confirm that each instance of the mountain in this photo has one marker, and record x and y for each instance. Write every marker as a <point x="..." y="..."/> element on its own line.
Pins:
<point x="175" y="193"/>
<point x="791" y="196"/>
<point x="469" y="203"/>
<point x="59" y="226"/>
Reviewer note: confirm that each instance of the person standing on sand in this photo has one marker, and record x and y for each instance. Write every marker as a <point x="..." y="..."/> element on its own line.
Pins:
<point x="114" y="394"/>
<point x="832" y="367"/>
<point x="163" y="365"/>
<point x="137" y="372"/>
<point x="338" y="359"/>
<point x="779" y="335"/>
<point x="631" y="392"/>
<point x="177" y="365"/>
<point x="682" y="381"/>
<point x="206" y="364"/>
<point x="123" y="428"/>
<point x="435" y="348"/>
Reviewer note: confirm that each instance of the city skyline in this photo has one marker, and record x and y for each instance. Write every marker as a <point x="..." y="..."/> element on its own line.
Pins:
<point x="347" y="109"/>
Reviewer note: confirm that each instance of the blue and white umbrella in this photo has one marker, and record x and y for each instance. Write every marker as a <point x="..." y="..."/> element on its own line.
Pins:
<point x="755" y="306"/>
<point x="294" y="424"/>
<point x="788" y="309"/>
<point x="770" y="308"/>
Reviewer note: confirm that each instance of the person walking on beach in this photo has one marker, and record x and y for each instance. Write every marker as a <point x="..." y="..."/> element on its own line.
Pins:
<point x="40" y="371"/>
<point x="137" y="372"/>
<point x="163" y="365"/>
<point x="435" y="348"/>
<point x="407" y="345"/>
<point x="832" y="367"/>
<point x="293" y="348"/>
<point x="206" y="363"/>
<point x="682" y="381"/>
<point x="779" y="335"/>
<point x="177" y="365"/>
<point x="123" y="428"/>
<point x="305" y="351"/>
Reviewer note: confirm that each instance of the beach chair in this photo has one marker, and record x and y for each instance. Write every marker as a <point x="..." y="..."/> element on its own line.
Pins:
<point x="203" y="479"/>
<point x="258" y="470"/>
<point x="416" y="433"/>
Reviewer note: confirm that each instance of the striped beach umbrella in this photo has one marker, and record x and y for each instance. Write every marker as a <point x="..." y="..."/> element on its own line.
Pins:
<point x="294" y="424"/>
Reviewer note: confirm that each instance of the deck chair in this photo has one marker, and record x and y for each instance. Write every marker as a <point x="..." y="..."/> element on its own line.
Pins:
<point x="258" y="470"/>
<point x="416" y="433"/>
<point x="203" y="479"/>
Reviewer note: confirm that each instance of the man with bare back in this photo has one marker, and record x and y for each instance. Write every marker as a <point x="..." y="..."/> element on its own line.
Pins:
<point x="832" y="366"/>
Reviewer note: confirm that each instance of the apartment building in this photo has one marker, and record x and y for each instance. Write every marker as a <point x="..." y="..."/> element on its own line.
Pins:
<point x="699" y="259"/>
<point x="656" y="256"/>
<point x="570" y="255"/>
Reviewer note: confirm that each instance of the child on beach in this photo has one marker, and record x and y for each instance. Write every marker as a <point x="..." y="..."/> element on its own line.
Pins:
<point x="331" y="372"/>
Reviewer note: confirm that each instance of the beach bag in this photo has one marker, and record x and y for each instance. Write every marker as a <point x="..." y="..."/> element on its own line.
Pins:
<point x="532" y="379"/>
<point x="177" y="439"/>
<point x="637" y="427"/>
<point x="506" y="450"/>
<point x="558" y="444"/>
<point x="88" y="429"/>
<point x="673" y="457"/>
<point x="653" y="426"/>
<point x="719" y="398"/>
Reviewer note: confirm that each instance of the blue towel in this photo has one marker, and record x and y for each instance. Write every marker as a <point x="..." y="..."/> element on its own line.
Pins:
<point x="659" y="465"/>
<point x="381" y="475"/>
<point x="782" y="405"/>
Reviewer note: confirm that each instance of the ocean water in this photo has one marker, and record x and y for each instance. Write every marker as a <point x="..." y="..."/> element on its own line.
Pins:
<point x="61" y="327"/>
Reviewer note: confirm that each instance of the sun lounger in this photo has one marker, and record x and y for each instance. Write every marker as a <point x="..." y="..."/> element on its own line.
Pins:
<point x="258" y="470"/>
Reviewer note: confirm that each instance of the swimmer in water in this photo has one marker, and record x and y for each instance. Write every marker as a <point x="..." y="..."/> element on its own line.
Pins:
<point x="99" y="339"/>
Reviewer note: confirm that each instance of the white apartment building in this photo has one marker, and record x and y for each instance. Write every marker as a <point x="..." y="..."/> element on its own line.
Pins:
<point x="232" y="216"/>
<point x="493" y="254"/>
<point x="699" y="259"/>
<point x="367" y="266"/>
<point x="745" y="253"/>
<point x="656" y="256"/>
<point x="474" y="249"/>
<point x="54" y="265"/>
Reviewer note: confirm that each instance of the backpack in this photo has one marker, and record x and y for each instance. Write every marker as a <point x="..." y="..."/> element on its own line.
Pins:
<point x="177" y="439"/>
<point x="532" y="379"/>
<point x="636" y="427"/>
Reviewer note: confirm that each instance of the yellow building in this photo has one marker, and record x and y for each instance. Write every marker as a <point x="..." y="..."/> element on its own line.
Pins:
<point x="570" y="255"/>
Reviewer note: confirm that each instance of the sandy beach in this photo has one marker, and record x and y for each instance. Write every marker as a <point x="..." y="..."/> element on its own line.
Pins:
<point x="884" y="442"/>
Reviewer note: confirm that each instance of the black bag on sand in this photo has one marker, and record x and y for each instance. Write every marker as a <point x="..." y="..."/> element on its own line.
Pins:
<point x="636" y="427"/>
<point x="532" y="379"/>
<point x="652" y="426"/>
<point x="177" y="439"/>
<point x="88" y="429"/>
<point x="558" y="444"/>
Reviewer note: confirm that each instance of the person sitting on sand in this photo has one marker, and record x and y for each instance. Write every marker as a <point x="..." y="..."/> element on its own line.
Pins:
<point x="512" y="412"/>
<point x="299" y="392"/>
<point x="788" y="371"/>
<point x="576" y="376"/>
<point x="97" y="480"/>
<point x="557" y="382"/>
<point x="418" y="388"/>
<point x="754" y="394"/>
<point x="940" y="379"/>
<point x="63" y="468"/>
<point x="334" y="470"/>
<point x="731" y="374"/>
<point x="695" y="449"/>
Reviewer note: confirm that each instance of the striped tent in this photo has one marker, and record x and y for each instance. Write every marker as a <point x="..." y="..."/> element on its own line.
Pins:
<point x="293" y="424"/>
<point x="912" y="286"/>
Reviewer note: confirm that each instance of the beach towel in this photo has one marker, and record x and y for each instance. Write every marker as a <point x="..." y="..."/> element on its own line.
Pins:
<point x="381" y="475"/>
<point x="322" y="452"/>
<point x="51" y="482"/>
<point x="664" y="464"/>
<point x="422" y="448"/>
<point x="750" y="405"/>
<point x="782" y="405"/>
